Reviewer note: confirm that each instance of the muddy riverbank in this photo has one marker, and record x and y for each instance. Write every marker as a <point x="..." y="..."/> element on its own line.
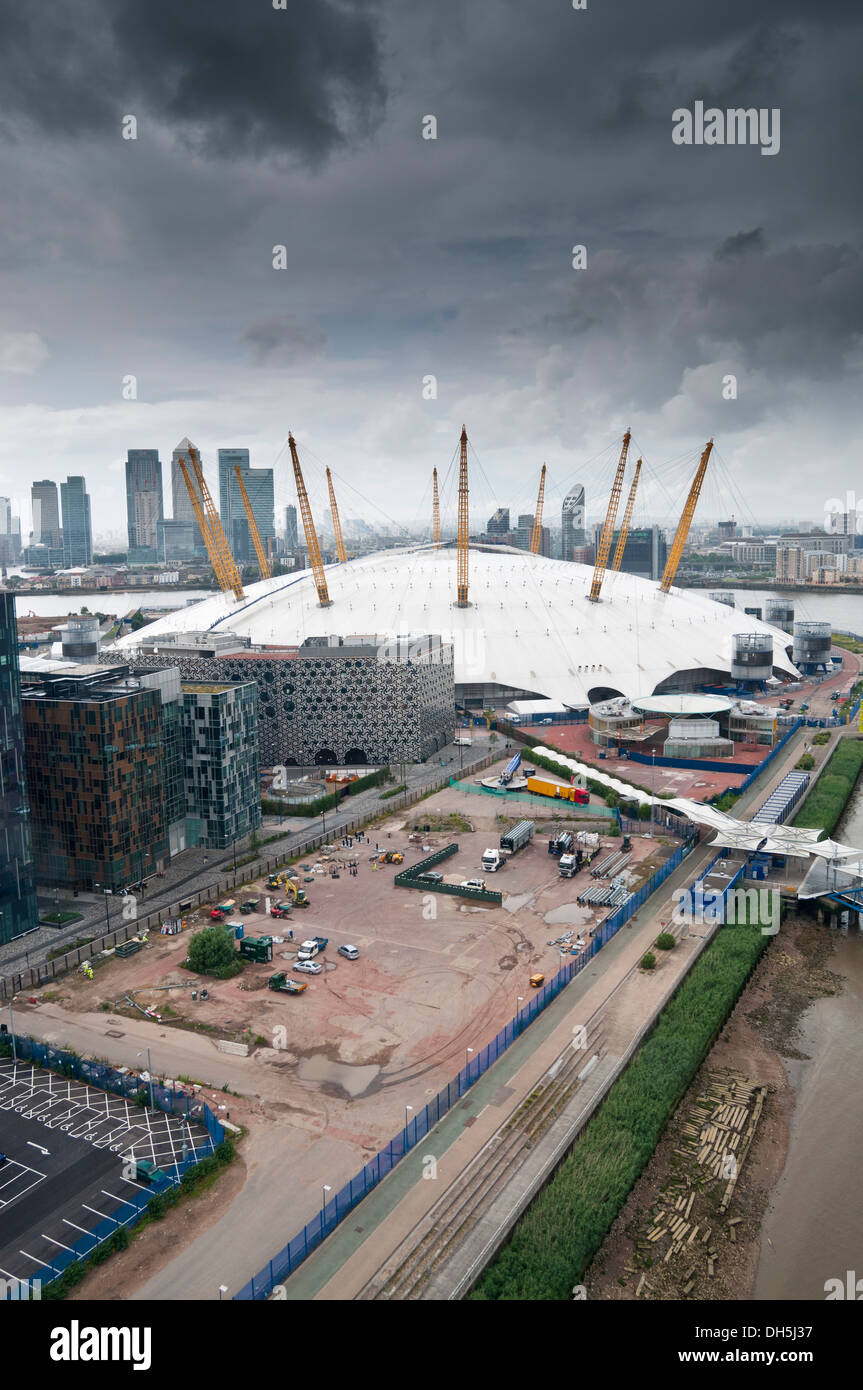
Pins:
<point x="764" y="1041"/>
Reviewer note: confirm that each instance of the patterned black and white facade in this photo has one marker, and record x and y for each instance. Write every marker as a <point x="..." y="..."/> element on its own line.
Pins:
<point x="351" y="700"/>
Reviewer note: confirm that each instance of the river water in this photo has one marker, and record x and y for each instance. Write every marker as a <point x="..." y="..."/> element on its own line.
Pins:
<point x="118" y="604"/>
<point x="815" y="1217"/>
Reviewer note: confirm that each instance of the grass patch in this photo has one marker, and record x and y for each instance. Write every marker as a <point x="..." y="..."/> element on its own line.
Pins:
<point x="59" y="919"/>
<point x="850" y="644"/>
<point x="70" y="946"/>
<point x="563" y="1228"/>
<point x="826" y="801"/>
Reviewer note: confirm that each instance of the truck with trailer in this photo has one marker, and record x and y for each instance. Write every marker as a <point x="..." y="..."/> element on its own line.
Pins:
<point x="579" y="796"/>
<point x="520" y="835"/>
<point x="568" y="865"/>
<point x="492" y="860"/>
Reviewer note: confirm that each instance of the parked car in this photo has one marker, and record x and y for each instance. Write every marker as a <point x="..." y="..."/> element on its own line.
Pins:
<point x="2" y="1159"/>
<point x="308" y="967"/>
<point x="430" y="876"/>
<point x="349" y="952"/>
<point x="463" y="742"/>
<point x="473" y="883"/>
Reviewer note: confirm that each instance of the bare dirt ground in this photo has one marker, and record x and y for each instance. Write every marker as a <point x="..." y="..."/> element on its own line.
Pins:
<point x="332" y="1070"/>
<point x="761" y="1031"/>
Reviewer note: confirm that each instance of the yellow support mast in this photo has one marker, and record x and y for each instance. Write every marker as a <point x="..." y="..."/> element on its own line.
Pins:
<point x="463" y="524"/>
<point x="627" y="518"/>
<point x="227" y="573"/>
<point x="536" y="532"/>
<point x="315" y="561"/>
<point x="435" y="512"/>
<point x="676" y="552"/>
<point x="206" y="534"/>
<point x="337" y="525"/>
<point x="608" y="529"/>
<point x="263" y="562"/>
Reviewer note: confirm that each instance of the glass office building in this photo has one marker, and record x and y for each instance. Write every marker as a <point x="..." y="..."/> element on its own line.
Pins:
<point x="18" y="910"/>
<point x="222" y="775"/>
<point x="96" y="775"/>
<point x="77" y="530"/>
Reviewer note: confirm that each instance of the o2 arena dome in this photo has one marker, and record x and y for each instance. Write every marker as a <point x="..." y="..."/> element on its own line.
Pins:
<point x="529" y="628"/>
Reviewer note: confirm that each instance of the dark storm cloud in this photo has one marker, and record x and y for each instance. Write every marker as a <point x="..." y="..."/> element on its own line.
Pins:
<point x="796" y="305"/>
<point x="228" y="78"/>
<point x="449" y="257"/>
<point x="741" y="244"/>
<point x="284" y="338"/>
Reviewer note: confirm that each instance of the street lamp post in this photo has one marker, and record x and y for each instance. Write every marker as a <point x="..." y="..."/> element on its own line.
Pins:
<point x="106" y="894"/>
<point x="325" y="1189"/>
<point x="150" y="1074"/>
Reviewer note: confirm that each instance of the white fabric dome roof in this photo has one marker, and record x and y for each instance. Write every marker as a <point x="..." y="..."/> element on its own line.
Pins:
<point x="530" y="624"/>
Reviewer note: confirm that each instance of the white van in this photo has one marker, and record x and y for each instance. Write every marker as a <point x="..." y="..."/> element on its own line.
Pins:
<point x="463" y="742"/>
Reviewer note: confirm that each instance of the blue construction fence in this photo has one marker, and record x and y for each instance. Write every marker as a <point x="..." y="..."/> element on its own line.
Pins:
<point x="126" y="1085"/>
<point x="335" y="1210"/>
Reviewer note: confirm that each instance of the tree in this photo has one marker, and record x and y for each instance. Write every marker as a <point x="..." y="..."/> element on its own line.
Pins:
<point x="14" y="581"/>
<point x="665" y="941"/>
<point x="211" y="949"/>
<point x="648" y="961"/>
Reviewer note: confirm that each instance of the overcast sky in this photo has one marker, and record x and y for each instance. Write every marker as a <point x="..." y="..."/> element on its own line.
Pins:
<point x="452" y="257"/>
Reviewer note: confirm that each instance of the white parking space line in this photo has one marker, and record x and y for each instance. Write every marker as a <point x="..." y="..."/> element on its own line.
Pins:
<point x="102" y="1215"/>
<point x="82" y="1229"/>
<point x="52" y="1241"/>
<point x="35" y="1259"/>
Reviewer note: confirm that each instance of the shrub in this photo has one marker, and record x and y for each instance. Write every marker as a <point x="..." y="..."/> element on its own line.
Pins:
<point x="805" y="763"/>
<point x="211" y="950"/>
<point x="648" y="961"/>
<point x="822" y="736"/>
<point x="665" y="941"/>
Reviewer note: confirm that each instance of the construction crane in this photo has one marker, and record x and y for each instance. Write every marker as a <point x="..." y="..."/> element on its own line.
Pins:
<point x="435" y="512"/>
<point x="212" y="535"/>
<point x="463" y="526"/>
<point x="608" y="528"/>
<point x="337" y="525"/>
<point x="315" y="561"/>
<point x="263" y="562"/>
<point x="627" y="518"/>
<point x="674" y="555"/>
<point x="536" y="532"/>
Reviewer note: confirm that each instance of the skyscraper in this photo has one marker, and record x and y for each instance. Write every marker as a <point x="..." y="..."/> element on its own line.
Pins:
<point x="259" y="486"/>
<point x="46" y="514"/>
<point x="498" y="523"/>
<point x="180" y="499"/>
<point x="572" y="521"/>
<point x="10" y="533"/>
<point x="77" y="529"/>
<point x="18" y="910"/>
<point x="144" y="508"/>
<point x="290" y="528"/>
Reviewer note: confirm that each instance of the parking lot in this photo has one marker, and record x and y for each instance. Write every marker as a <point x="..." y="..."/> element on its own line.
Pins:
<point x="68" y="1149"/>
